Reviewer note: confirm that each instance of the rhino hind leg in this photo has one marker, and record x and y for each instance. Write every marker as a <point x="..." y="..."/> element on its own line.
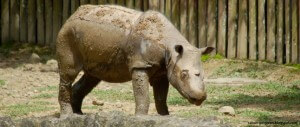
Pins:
<point x="80" y="89"/>
<point x="160" y="91"/>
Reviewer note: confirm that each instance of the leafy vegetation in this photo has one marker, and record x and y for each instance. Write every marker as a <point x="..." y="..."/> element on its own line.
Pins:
<point x="2" y="83"/>
<point x="205" y="58"/>
<point x="24" y="109"/>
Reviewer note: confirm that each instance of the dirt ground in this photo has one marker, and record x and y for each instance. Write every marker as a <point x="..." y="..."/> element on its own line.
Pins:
<point x="28" y="81"/>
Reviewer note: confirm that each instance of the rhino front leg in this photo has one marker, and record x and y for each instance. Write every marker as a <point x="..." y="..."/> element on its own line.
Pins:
<point x="80" y="89"/>
<point x="160" y="90"/>
<point x="140" y="82"/>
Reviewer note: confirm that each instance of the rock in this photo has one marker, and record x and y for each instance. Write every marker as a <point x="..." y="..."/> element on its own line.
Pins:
<point x="227" y="110"/>
<point x="97" y="103"/>
<point x="34" y="58"/>
<point x="111" y="119"/>
<point x="51" y="66"/>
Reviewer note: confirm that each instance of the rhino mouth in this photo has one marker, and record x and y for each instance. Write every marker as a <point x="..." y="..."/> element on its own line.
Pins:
<point x="197" y="102"/>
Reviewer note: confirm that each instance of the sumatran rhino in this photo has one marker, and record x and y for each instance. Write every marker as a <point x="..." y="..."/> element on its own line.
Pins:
<point x="117" y="44"/>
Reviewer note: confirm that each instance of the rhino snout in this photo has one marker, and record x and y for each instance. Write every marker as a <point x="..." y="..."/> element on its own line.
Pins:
<point x="197" y="97"/>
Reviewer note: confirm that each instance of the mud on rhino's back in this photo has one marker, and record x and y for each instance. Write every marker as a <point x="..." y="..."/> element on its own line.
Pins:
<point x="100" y="31"/>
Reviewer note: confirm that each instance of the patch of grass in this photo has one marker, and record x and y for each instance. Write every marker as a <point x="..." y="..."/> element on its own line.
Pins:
<point x="44" y="96"/>
<point x="2" y="83"/>
<point x="113" y="94"/>
<point x="90" y="107"/>
<point x="201" y="111"/>
<point x="174" y="98"/>
<point x="49" y="88"/>
<point x="259" y="115"/>
<point x="18" y="110"/>
<point x="209" y="57"/>
<point x="296" y="66"/>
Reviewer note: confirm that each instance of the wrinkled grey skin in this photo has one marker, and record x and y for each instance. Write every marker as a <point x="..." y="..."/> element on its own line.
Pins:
<point x="116" y="44"/>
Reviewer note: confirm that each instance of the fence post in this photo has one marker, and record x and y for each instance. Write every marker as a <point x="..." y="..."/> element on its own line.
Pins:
<point x="202" y="15"/>
<point x="280" y="27"/>
<point x="252" y="29"/>
<point x="242" y="30"/>
<point x="232" y="23"/>
<point x="175" y="13"/>
<point x="40" y="22"/>
<point x="154" y="5"/>
<point x="261" y="30"/>
<point x="66" y="10"/>
<point x="211" y="22"/>
<point x="14" y="20"/>
<point x="23" y="21"/>
<point x="130" y="3"/>
<point x="168" y="9"/>
<point x="294" y="48"/>
<point x="271" y="30"/>
<point x="48" y="22"/>
<point x="32" y="21"/>
<point x="57" y="18"/>
<point x="4" y="22"/>
<point x="222" y="27"/>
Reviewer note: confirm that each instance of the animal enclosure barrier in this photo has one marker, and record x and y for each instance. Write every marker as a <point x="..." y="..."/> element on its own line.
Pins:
<point x="244" y="29"/>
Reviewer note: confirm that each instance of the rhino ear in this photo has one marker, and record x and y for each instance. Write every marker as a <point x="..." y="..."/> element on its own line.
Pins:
<point x="206" y="50"/>
<point x="179" y="49"/>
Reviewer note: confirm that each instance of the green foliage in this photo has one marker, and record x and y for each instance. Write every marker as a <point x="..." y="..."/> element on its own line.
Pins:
<point x="24" y="109"/>
<point x="207" y="57"/>
<point x="174" y="98"/>
<point x="2" y="83"/>
<point x="296" y="66"/>
<point x="113" y="94"/>
<point x="45" y="96"/>
<point x="260" y="115"/>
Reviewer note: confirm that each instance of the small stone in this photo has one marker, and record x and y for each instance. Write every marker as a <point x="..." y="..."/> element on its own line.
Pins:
<point x="34" y="58"/>
<point x="227" y="110"/>
<point x="97" y="103"/>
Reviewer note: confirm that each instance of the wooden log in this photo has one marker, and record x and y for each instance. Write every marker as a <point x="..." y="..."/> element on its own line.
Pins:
<point x="211" y="22"/>
<point x="32" y="21"/>
<point x="242" y="30"/>
<point x="5" y="22"/>
<point x="287" y="31"/>
<point x="83" y="2"/>
<point x="23" y="21"/>
<point x="138" y="4"/>
<point x="57" y="18"/>
<point x="162" y="6"/>
<point x="183" y="18"/>
<point x="299" y="32"/>
<point x="279" y="33"/>
<point x="40" y="22"/>
<point x="94" y="2"/>
<point x="202" y="14"/>
<point x="74" y="5"/>
<point x="154" y="5"/>
<point x="294" y="49"/>
<point x="271" y="30"/>
<point x="261" y="30"/>
<point x="232" y="29"/>
<point x="130" y="3"/>
<point x="252" y="29"/>
<point x="48" y="21"/>
<point x="168" y="10"/>
<point x="66" y="10"/>
<point x="145" y="5"/>
<point x="175" y="18"/>
<point x="221" y="48"/>
<point x="121" y="2"/>
<point x="103" y="2"/>
<point x="14" y="20"/>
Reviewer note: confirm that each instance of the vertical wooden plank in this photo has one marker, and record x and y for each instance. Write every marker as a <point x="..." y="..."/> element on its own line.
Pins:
<point x="74" y="5"/>
<point x="168" y="9"/>
<point x="95" y="2"/>
<point x="294" y="51"/>
<point x="31" y="21"/>
<point x="211" y="22"/>
<point x="232" y="23"/>
<point x="202" y="14"/>
<point x="222" y="27"/>
<point x="175" y="13"/>
<point x="138" y="4"/>
<point x="121" y="2"/>
<point x="4" y="22"/>
<point x="271" y="30"/>
<point x="103" y="2"/>
<point x="40" y="22"/>
<point x="83" y="2"/>
<point x="66" y="10"/>
<point x="299" y="32"/>
<point x="146" y="5"/>
<point x="130" y="3"/>
<point x="242" y="30"/>
<point x="183" y="18"/>
<point x="261" y="30"/>
<point x="162" y="6"/>
<point x="48" y="22"/>
<point x="287" y="25"/>
<point x="23" y="21"/>
<point x="57" y="18"/>
<point x="252" y="29"/>
<point x="14" y="20"/>
<point x="154" y="5"/>
<point x="279" y="33"/>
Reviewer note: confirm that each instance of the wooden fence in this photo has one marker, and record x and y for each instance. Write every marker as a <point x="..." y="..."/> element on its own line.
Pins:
<point x="243" y="29"/>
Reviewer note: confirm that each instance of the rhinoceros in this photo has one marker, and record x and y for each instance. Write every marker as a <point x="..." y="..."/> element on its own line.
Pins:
<point x="116" y="44"/>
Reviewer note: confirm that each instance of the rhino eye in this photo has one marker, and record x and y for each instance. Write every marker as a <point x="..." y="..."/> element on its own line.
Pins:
<point x="184" y="74"/>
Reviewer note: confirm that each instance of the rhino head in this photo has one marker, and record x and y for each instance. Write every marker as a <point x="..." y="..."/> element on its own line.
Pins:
<point x="185" y="71"/>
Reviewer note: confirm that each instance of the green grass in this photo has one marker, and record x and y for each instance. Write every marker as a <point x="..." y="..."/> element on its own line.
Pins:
<point x="45" y="96"/>
<point x="49" y="88"/>
<point x="205" y="58"/>
<point x="259" y="115"/>
<point x="174" y="98"/>
<point x="113" y="95"/>
<point x="296" y="66"/>
<point x="18" y="110"/>
<point x="2" y="83"/>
